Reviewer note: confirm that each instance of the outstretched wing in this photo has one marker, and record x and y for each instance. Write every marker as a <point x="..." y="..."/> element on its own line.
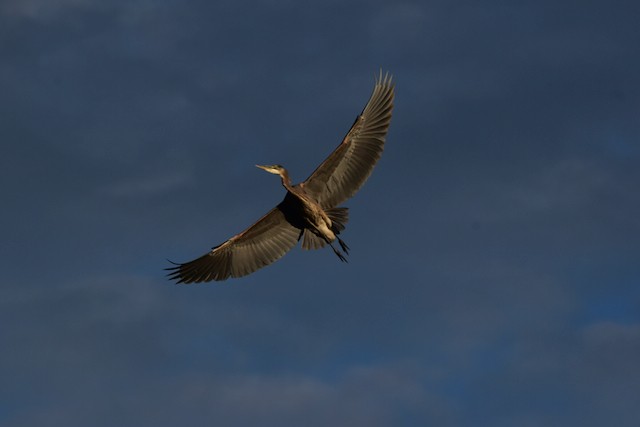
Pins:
<point x="349" y="166"/>
<point x="259" y="245"/>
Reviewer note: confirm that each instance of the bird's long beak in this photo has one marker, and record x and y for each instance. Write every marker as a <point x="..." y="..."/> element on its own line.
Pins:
<point x="270" y="169"/>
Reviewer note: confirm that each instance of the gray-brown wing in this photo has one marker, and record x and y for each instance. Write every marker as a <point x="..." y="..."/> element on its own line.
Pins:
<point x="349" y="166"/>
<point x="261" y="244"/>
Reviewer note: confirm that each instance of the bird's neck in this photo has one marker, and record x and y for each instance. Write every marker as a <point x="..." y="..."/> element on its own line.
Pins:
<point x="286" y="181"/>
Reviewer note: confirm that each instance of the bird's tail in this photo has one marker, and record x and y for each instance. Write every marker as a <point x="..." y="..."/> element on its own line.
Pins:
<point x="339" y="218"/>
<point x="311" y="241"/>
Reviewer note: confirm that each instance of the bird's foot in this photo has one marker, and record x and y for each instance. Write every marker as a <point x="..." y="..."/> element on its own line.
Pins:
<point x="343" y="245"/>
<point x="338" y="253"/>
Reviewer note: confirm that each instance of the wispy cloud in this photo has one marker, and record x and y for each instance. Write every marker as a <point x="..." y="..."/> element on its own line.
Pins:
<point x="505" y="204"/>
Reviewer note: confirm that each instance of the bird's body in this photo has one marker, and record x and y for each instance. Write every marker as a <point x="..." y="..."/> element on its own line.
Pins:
<point x="315" y="220"/>
<point x="309" y="210"/>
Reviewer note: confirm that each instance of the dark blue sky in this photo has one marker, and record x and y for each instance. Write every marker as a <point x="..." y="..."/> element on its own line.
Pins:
<point x="494" y="276"/>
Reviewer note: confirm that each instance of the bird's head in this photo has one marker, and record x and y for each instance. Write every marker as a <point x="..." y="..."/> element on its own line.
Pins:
<point x="274" y="169"/>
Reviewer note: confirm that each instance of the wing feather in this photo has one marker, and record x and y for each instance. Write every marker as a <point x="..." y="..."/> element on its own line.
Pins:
<point x="259" y="245"/>
<point x="342" y="174"/>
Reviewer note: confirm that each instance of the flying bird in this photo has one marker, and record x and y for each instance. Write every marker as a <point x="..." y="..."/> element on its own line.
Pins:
<point x="310" y="209"/>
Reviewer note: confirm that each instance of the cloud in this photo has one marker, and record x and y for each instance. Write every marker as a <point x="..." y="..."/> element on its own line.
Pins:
<point x="500" y="215"/>
<point x="590" y="376"/>
<point x="371" y="396"/>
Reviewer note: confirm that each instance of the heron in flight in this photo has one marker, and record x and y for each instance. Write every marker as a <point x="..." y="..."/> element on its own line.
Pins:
<point x="310" y="209"/>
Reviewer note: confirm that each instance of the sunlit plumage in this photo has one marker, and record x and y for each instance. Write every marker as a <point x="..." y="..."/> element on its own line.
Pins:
<point x="309" y="210"/>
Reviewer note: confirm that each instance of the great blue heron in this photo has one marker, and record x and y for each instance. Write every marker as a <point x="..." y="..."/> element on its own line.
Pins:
<point x="309" y="209"/>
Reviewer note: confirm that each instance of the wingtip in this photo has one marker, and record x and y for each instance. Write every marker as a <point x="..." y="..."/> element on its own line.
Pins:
<point x="385" y="80"/>
<point x="175" y="273"/>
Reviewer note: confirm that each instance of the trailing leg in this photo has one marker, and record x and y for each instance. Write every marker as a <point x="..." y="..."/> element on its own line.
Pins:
<point x="343" y="245"/>
<point x="338" y="253"/>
